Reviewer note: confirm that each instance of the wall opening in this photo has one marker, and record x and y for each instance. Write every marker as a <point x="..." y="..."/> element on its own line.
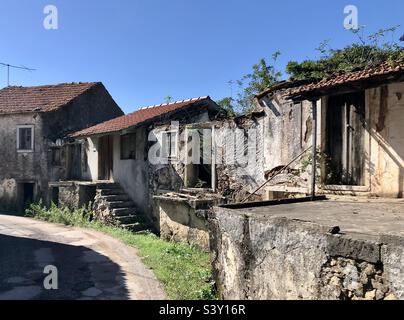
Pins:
<point x="26" y="195"/>
<point x="55" y="195"/>
<point x="200" y="173"/>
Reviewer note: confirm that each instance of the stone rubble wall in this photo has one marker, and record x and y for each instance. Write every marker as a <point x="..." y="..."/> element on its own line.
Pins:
<point x="179" y="222"/>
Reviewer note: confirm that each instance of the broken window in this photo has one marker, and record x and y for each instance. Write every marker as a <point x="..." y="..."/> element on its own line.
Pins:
<point x="169" y="144"/>
<point x="25" y="138"/>
<point x="128" y="146"/>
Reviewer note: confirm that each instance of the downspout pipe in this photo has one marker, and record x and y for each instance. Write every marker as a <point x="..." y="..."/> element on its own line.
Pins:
<point x="314" y="150"/>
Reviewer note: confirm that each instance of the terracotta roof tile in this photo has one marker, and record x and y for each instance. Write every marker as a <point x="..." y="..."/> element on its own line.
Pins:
<point x="365" y="74"/>
<point x="138" y="117"/>
<point x="41" y="98"/>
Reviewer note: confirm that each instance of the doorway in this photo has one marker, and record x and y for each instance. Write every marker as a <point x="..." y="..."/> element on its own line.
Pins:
<point x="105" y="158"/>
<point x="345" y="140"/>
<point x="26" y="195"/>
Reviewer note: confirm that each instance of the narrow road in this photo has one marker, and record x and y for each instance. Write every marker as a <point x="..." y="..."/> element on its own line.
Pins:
<point x="89" y="265"/>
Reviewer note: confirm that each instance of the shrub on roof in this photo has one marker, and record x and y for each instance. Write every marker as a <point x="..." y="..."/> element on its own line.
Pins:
<point x="368" y="51"/>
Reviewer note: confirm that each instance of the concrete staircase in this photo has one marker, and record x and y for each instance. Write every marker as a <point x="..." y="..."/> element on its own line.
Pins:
<point x="114" y="206"/>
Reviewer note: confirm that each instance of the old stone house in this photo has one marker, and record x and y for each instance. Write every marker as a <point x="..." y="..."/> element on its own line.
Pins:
<point x="119" y="169"/>
<point x="359" y="132"/>
<point x="348" y="245"/>
<point x="34" y="126"/>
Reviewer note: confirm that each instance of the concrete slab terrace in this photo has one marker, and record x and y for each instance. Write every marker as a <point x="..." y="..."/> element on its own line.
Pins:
<point x="290" y="249"/>
<point x="353" y="215"/>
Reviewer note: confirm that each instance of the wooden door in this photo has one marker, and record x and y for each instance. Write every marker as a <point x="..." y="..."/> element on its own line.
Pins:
<point x="345" y="127"/>
<point x="73" y="161"/>
<point x="105" y="158"/>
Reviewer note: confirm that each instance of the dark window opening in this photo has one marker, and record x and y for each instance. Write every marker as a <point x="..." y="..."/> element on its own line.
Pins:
<point x="199" y="176"/>
<point x="128" y="146"/>
<point x="25" y="139"/>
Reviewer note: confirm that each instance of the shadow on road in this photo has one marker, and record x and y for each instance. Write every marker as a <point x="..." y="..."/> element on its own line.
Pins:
<point x="82" y="273"/>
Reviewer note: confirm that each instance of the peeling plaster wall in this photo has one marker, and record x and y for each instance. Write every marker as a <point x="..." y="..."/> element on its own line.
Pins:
<point x="387" y="140"/>
<point x="91" y="148"/>
<point x="288" y="130"/>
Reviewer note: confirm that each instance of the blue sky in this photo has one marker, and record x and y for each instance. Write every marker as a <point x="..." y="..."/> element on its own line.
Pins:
<point x="145" y="50"/>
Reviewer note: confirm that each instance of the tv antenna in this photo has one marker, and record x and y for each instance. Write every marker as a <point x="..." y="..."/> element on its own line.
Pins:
<point x="8" y="66"/>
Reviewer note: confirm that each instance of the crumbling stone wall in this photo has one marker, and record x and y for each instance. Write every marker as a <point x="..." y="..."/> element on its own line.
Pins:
<point x="75" y="195"/>
<point x="180" y="222"/>
<point x="237" y="180"/>
<point x="257" y="257"/>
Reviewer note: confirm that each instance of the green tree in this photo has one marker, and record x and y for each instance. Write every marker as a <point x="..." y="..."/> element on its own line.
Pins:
<point x="227" y="105"/>
<point x="168" y="99"/>
<point x="262" y="76"/>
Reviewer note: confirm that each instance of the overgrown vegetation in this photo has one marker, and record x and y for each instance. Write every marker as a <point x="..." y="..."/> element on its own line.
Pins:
<point x="365" y="51"/>
<point x="323" y="160"/>
<point x="262" y="76"/>
<point x="184" y="271"/>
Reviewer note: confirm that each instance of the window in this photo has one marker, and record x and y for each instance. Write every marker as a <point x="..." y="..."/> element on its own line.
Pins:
<point x="128" y="146"/>
<point x="25" y="138"/>
<point x="169" y="143"/>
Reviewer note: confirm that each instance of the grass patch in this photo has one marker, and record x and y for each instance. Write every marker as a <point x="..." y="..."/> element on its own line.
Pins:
<point x="184" y="271"/>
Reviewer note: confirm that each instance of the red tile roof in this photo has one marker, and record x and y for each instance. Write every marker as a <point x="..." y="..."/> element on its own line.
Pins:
<point x="347" y="78"/>
<point x="139" y="117"/>
<point x="41" y="98"/>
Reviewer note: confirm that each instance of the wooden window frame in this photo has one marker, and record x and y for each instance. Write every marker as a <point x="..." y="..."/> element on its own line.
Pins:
<point x="32" y="128"/>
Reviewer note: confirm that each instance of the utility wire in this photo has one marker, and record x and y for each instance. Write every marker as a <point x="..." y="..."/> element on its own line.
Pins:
<point x="8" y="66"/>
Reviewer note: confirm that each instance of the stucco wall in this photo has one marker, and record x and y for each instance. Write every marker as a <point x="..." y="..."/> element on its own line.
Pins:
<point x="287" y="130"/>
<point x="387" y="140"/>
<point x="132" y="174"/>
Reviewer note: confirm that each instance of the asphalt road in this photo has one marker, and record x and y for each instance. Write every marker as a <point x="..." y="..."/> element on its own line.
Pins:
<point x="84" y="264"/>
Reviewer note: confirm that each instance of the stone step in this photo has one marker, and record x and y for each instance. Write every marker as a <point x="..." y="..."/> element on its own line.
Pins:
<point x="108" y="186"/>
<point x="119" y="212"/>
<point x="118" y="197"/>
<point x="136" y="227"/>
<point x="111" y="192"/>
<point x="121" y="204"/>
<point x="129" y="219"/>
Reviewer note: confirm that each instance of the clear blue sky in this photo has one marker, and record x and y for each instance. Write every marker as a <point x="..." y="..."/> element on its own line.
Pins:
<point x="144" y="50"/>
